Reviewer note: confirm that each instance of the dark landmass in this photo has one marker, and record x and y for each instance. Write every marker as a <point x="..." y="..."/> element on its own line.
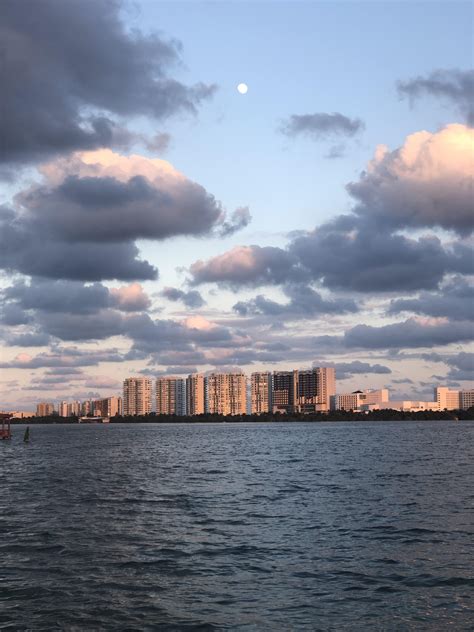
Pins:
<point x="339" y="415"/>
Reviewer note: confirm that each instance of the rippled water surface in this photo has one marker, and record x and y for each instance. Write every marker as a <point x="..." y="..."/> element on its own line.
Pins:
<point x="251" y="527"/>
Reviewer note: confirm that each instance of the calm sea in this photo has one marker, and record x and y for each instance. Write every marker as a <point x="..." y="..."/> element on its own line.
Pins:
<point x="333" y="526"/>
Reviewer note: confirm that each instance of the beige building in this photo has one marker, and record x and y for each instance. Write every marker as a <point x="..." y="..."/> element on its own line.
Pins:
<point x="369" y="399"/>
<point x="260" y="393"/>
<point x="170" y="396"/>
<point x="227" y="393"/>
<point x="107" y="407"/>
<point x="195" y="394"/>
<point x="137" y="397"/>
<point x="447" y="399"/>
<point x="44" y="409"/>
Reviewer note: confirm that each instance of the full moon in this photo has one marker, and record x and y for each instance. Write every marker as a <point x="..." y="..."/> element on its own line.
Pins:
<point x="242" y="88"/>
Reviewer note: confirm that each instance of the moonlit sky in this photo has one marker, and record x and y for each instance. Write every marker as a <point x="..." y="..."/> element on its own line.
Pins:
<point x="277" y="244"/>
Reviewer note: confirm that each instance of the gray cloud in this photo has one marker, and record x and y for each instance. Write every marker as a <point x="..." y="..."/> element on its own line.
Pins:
<point x="191" y="299"/>
<point x="248" y="266"/>
<point x="321" y="125"/>
<point x="410" y="333"/>
<point x="455" y="300"/>
<point x="345" y="370"/>
<point x="63" y="357"/>
<point x="452" y="86"/>
<point x="239" y="219"/>
<point x="304" y="302"/>
<point x="84" y="61"/>
<point x="462" y="366"/>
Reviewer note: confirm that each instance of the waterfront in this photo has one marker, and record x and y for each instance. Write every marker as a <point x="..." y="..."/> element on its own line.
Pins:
<point x="324" y="526"/>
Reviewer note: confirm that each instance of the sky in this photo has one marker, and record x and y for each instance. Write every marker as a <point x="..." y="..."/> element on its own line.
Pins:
<point x="155" y="221"/>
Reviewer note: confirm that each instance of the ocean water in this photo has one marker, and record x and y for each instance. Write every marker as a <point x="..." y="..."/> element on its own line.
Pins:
<point x="333" y="526"/>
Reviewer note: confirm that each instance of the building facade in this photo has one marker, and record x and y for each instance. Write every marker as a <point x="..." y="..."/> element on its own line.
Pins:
<point x="285" y="385"/>
<point x="44" y="409"/>
<point x="195" y="394"/>
<point x="226" y="393"/>
<point x="107" y="407"/>
<point x="137" y="396"/>
<point x="170" y="396"/>
<point x="467" y="399"/>
<point x="261" y="393"/>
<point x="447" y="399"/>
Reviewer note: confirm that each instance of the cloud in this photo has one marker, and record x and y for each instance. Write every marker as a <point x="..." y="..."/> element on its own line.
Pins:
<point x="88" y="72"/>
<point x="462" y="366"/>
<point x="425" y="183"/>
<point x="455" y="300"/>
<point x="239" y="219"/>
<point x="345" y="370"/>
<point x="304" y="302"/>
<point x="192" y="299"/>
<point x="82" y="221"/>
<point x="410" y="333"/>
<point x="321" y="125"/>
<point x="130" y="298"/>
<point x="63" y="357"/>
<point x="452" y="86"/>
<point x="248" y="266"/>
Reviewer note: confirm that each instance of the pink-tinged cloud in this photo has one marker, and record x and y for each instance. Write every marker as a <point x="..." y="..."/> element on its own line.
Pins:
<point x="247" y="265"/>
<point x="130" y="298"/>
<point x="425" y="183"/>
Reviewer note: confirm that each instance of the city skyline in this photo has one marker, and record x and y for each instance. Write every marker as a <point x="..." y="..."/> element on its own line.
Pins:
<point x="156" y="221"/>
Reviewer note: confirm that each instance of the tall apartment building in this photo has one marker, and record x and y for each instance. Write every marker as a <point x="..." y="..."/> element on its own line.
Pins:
<point x="467" y="399"/>
<point x="227" y="393"/>
<point x="261" y="393"/>
<point x="137" y="396"/>
<point x="62" y="410"/>
<point x="195" y="394"/>
<point x="304" y="391"/>
<point x="170" y="396"/>
<point x="73" y="409"/>
<point x="107" y="407"/>
<point x="285" y="385"/>
<point x="447" y="399"/>
<point x="44" y="409"/>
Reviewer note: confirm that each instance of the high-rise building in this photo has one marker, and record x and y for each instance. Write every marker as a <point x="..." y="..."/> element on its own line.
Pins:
<point x="170" y="396"/>
<point x="447" y="399"/>
<point x="63" y="409"/>
<point x="195" y="394"/>
<point x="227" y="393"/>
<point x="285" y="387"/>
<point x="137" y="396"/>
<point x="44" y="409"/>
<point x="467" y="399"/>
<point x="107" y="407"/>
<point x="73" y="409"/>
<point x="261" y="393"/>
<point x="325" y="386"/>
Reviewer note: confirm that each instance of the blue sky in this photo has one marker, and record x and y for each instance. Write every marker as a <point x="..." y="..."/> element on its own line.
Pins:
<point x="388" y="285"/>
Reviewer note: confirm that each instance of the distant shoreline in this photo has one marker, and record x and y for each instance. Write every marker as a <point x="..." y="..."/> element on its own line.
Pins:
<point x="332" y="416"/>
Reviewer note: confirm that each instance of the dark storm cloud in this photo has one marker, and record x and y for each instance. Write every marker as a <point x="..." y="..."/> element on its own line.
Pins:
<point x="455" y="300"/>
<point x="321" y="125"/>
<point x="29" y="339"/>
<point x="239" y="219"/>
<point x="191" y="299"/>
<point x="345" y="370"/>
<point x="408" y="334"/>
<point x="69" y="70"/>
<point x="304" y="302"/>
<point x="453" y="86"/>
